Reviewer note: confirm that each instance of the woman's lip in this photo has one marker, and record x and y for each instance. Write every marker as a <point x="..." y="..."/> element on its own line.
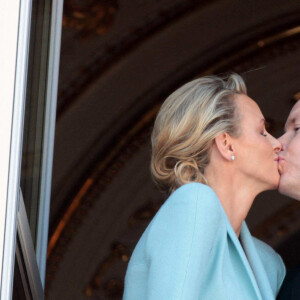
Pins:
<point x="279" y="159"/>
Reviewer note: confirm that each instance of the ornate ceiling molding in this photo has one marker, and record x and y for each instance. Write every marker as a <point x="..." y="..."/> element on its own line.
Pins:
<point x="92" y="188"/>
<point x="114" y="52"/>
<point x="120" y="254"/>
<point x="90" y="17"/>
<point x="255" y="55"/>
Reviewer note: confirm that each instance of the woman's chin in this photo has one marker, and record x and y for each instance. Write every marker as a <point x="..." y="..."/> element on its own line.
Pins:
<point x="274" y="184"/>
<point x="276" y="180"/>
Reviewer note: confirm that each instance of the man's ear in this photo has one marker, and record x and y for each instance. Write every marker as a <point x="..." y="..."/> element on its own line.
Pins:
<point x="225" y="145"/>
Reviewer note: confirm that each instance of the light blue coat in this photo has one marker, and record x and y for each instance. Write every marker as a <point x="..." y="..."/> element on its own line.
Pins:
<point x="190" y="251"/>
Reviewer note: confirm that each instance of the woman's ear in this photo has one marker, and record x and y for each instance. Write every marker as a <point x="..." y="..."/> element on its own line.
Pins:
<point x="225" y="146"/>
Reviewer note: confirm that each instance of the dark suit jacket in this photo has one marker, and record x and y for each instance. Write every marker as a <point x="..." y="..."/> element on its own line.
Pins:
<point x="290" y="289"/>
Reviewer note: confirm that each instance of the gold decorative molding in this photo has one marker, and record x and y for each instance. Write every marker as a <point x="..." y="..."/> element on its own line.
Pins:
<point x="114" y="286"/>
<point x="247" y="65"/>
<point x="90" y="17"/>
<point x="113" y="51"/>
<point x="120" y="253"/>
<point x="114" y="166"/>
<point x="94" y="185"/>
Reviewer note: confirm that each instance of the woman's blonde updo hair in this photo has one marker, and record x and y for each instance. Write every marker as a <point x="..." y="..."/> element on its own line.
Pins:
<point x="186" y="126"/>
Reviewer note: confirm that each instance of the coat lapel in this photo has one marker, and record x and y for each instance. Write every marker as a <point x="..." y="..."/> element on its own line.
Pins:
<point x="244" y="259"/>
<point x="256" y="263"/>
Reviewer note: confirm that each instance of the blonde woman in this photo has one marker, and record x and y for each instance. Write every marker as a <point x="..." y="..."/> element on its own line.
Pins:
<point x="212" y="153"/>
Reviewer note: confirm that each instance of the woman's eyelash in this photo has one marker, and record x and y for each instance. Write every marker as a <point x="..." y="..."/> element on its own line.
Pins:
<point x="263" y="133"/>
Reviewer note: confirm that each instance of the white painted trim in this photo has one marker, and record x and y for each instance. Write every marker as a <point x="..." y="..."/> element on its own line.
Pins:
<point x="14" y="31"/>
<point x="28" y="254"/>
<point x="48" y="146"/>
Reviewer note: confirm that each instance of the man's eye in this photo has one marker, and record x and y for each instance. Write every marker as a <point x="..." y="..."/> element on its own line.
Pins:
<point x="297" y="128"/>
<point x="263" y="134"/>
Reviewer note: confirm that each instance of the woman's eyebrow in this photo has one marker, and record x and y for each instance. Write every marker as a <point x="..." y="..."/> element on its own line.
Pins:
<point x="265" y="123"/>
<point x="263" y="120"/>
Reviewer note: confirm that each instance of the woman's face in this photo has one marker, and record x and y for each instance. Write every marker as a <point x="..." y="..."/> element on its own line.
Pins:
<point x="256" y="150"/>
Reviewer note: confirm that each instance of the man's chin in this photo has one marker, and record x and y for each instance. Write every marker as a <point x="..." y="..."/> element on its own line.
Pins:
<point x="281" y="189"/>
<point x="286" y="189"/>
<point x="282" y="186"/>
<point x="276" y="186"/>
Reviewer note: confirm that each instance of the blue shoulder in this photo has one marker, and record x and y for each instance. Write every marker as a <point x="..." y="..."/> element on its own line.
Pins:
<point x="194" y="194"/>
<point x="192" y="209"/>
<point x="192" y="197"/>
<point x="166" y="262"/>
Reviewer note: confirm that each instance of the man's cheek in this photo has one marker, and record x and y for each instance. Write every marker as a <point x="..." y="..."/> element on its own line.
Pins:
<point x="297" y="171"/>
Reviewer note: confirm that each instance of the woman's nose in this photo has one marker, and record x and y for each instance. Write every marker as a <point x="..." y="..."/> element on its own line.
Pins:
<point x="277" y="146"/>
<point x="283" y="141"/>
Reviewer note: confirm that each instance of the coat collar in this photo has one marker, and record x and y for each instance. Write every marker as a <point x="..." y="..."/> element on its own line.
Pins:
<point x="254" y="261"/>
<point x="242" y="254"/>
<point x="250" y="259"/>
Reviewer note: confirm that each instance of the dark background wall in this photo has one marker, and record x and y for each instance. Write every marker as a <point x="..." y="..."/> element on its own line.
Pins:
<point x="119" y="60"/>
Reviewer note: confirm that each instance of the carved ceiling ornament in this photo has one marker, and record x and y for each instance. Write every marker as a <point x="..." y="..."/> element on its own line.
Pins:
<point x="114" y="51"/>
<point x="92" y="189"/>
<point x="90" y="17"/>
<point x="120" y="254"/>
<point x="274" y="230"/>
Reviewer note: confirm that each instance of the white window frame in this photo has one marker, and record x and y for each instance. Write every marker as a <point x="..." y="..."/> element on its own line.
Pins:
<point x="26" y="254"/>
<point x="14" y="31"/>
<point x="15" y="17"/>
<point x="49" y="131"/>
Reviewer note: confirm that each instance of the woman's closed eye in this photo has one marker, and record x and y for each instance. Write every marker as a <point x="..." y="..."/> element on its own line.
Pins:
<point x="264" y="132"/>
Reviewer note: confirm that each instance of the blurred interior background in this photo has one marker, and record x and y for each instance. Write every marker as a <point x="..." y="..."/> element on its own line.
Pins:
<point x="119" y="61"/>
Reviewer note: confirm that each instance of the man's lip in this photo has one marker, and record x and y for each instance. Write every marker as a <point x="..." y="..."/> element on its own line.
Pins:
<point x="279" y="158"/>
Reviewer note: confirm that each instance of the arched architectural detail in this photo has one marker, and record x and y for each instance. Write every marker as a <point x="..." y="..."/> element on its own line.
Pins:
<point x="134" y="139"/>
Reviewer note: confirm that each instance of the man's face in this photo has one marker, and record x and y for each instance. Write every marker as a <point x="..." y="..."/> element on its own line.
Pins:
<point x="289" y="157"/>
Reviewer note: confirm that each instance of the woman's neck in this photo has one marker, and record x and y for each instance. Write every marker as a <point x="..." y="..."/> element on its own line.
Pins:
<point x="235" y="194"/>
